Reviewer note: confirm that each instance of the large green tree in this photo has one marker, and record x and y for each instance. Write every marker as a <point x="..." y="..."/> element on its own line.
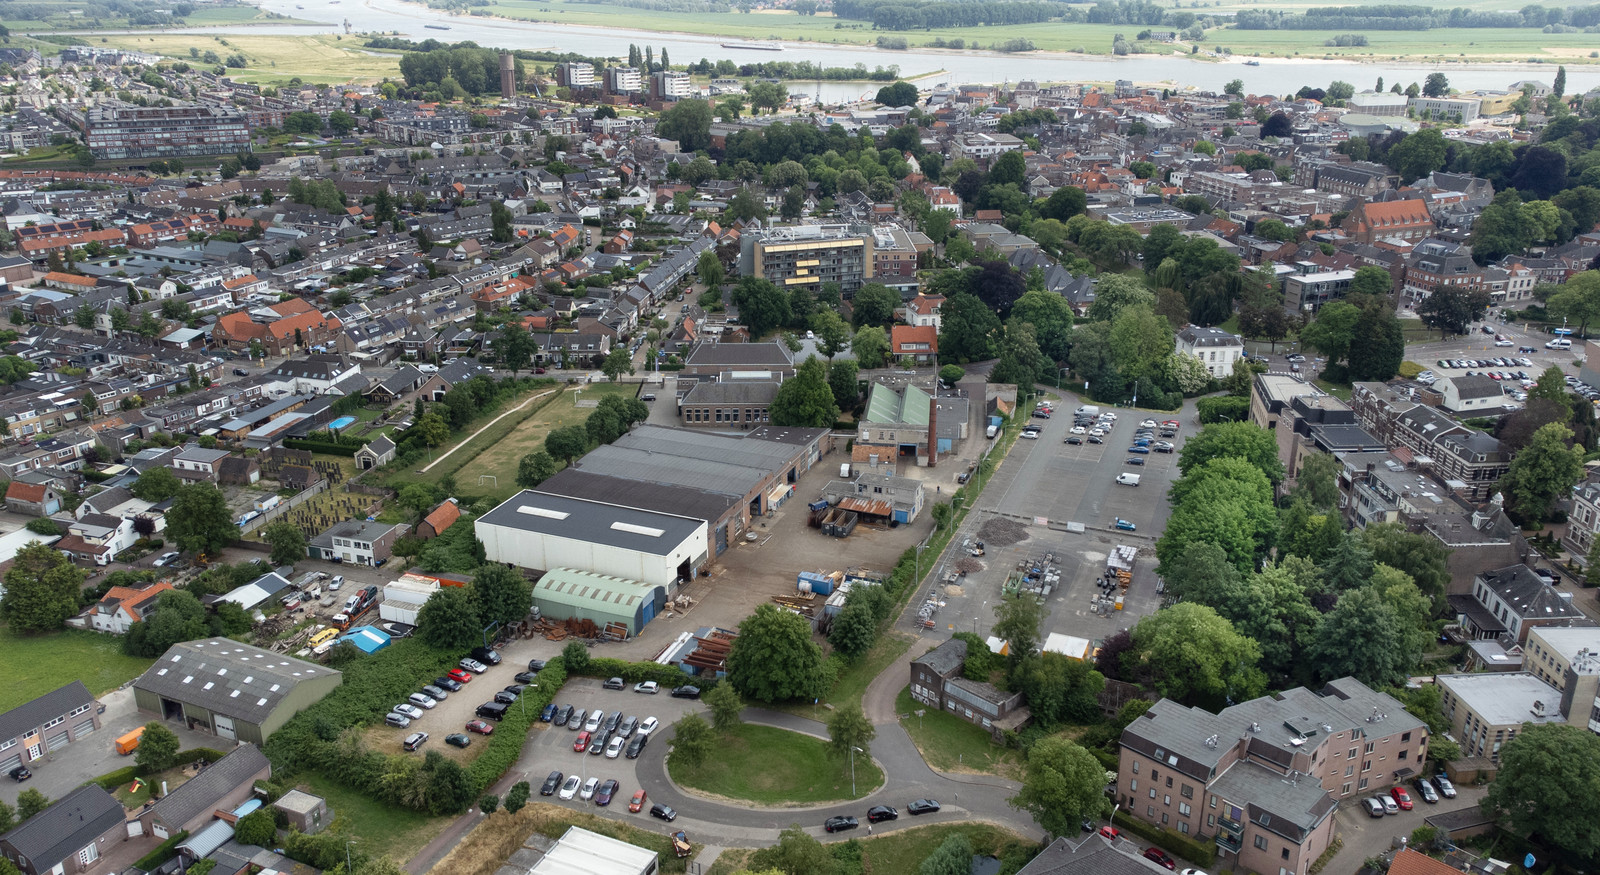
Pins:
<point x="1141" y="342"/>
<point x="1333" y="331"/>
<point x="1360" y="638"/>
<point x="43" y="589"/>
<point x="849" y="728"/>
<point x="198" y="521"/>
<point x="762" y="305"/>
<point x="535" y="468"/>
<point x="1192" y="654"/>
<point x="1114" y="292"/>
<point x="156" y="484"/>
<point x="1062" y="786"/>
<point x="1452" y="308"/>
<point x="1578" y="302"/>
<point x="873" y="304"/>
<point x="774" y="658"/>
<point x="1241" y="440"/>
<point x="449" y="620"/>
<point x="871" y="346"/>
<point x="1548" y="787"/>
<point x="805" y="399"/>
<point x="287" y="540"/>
<point x="1546" y="469"/>
<point x="967" y="330"/>
<point x="688" y="122"/>
<point x="1423" y="558"/>
<point x="178" y="616"/>
<point x="1051" y="318"/>
<point x="500" y="594"/>
<point x="1018" y="618"/>
<point x="158" y="748"/>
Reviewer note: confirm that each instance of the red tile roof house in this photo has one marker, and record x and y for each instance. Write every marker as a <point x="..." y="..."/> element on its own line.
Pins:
<point x="441" y="518"/>
<point x="122" y="606"/>
<point x="37" y="499"/>
<point x="920" y="342"/>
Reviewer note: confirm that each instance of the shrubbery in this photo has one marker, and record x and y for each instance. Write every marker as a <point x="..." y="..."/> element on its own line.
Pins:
<point x="1199" y="853"/>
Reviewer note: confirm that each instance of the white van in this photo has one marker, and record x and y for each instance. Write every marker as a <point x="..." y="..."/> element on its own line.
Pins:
<point x="1128" y="479"/>
<point x="1559" y="343"/>
<point x="991" y="431"/>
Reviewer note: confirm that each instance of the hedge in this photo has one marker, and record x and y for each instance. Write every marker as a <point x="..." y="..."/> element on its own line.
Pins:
<point x="634" y="672"/>
<point x="316" y="446"/>
<point x="113" y="780"/>
<point x="126" y="774"/>
<point x="163" y="852"/>
<point x="505" y="745"/>
<point x="1199" y="853"/>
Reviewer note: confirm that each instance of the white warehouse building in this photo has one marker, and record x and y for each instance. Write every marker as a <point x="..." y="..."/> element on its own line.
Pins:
<point x="543" y="531"/>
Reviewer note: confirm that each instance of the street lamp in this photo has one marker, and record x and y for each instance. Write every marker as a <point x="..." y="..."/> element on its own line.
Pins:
<point x="347" y="855"/>
<point x="853" y="751"/>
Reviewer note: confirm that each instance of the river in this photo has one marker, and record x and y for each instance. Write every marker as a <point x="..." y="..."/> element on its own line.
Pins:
<point x="1273" y="76"/>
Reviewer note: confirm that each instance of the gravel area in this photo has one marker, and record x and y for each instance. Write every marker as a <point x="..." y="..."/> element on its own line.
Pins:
<point x="1002" y="532"/>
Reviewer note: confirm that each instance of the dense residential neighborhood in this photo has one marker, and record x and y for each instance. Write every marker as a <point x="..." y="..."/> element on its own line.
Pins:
<point x="1269" y="424"/>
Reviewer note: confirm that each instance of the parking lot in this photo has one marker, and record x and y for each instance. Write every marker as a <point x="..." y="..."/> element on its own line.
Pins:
<point x="1065" y="499"/>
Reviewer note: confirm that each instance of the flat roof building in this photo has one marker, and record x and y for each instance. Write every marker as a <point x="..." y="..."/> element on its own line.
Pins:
<point x="581" y="852"/>
<point x="125" y="131"/>
<point x="1487" y="710"/>
<point x="809" y="256"/>
<point x="542" y="531"/>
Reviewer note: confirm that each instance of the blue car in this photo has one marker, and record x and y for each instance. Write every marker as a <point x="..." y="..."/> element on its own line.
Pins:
<point x="1139" y="449"/>
<point x="548" y="714"/>
<point x="1126" y="526"/>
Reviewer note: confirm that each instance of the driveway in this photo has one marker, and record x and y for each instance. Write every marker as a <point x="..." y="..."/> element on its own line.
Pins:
<point x="1366" y="837"/>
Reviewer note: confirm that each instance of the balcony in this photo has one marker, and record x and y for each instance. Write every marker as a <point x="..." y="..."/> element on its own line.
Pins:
<point x="1228" y="843"/>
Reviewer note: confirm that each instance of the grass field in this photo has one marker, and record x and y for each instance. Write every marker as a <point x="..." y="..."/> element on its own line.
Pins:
<point x="499" y="835"/>
<point x="380" y="829"/>
<point x="776" y="767"/>
<point x="32" y="665"/>
<point x="277" y="59"/>
<point x="901" y="852"/>
<point x="58" y="16"/>
<point x="1482" y="44"/>
<point x="500" y="448"/>
<point x="950" y="744"/>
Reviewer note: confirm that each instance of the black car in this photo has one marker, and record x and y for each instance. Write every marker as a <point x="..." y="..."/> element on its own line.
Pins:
<point x="505" y="698"/>
<point x="486" y="655"/>
<point x="551" y="784"/>
<point x="457" y="739"/>
<point x="448" y="683"/>
<point x="664" y="812"/>
<point x="1135" y="460"/>
<point x="562" y="715"/>
<point x="636" y="746"/>
<point x="612" y="721"/>
<point x="526" y="677"/>
<point x="597" y="742"/>
<point x="1096" y="439"/>
<point x="20" y="774"/>
<point x="686" y="692"/>
<point x="880" y="813"/>
<point x="515" y="689"/>
<point x="923" y="806"/>
<point x="842" y="822"/>
<point x="548" y="713"/>
<point x="536" y="665"/>
<point x="1074" y="439"/>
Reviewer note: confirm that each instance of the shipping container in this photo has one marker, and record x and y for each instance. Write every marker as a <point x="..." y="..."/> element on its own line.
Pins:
<point x="809" y="581"/>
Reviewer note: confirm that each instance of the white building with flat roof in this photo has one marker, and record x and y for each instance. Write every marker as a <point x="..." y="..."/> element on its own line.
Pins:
<point x="581" y="852"/>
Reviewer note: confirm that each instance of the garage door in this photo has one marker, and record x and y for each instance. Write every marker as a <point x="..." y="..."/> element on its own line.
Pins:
<point x="10" y="762"/>
<point x="225" y="726"/>
<point x="83" y="728"/>
<point x="57" y="741"/>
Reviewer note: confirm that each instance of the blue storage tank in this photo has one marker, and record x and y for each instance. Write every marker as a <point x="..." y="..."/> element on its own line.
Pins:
<point x="809" y="581"/>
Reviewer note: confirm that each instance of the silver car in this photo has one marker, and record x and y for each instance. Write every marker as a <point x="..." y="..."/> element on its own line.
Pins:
<point x="423" y="700"/>
<point x="411" y="711"/>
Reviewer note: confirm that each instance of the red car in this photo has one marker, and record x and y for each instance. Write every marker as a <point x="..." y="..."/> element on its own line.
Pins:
<point x="637" y="804"/>
<point x="1401" y="798"/>
<point x="582" y="744"/>
<point x="1109" y="832"/>
<point x="1160" y="858"/>
<point x="480" y="727"/>
<point x="460" y="676"/>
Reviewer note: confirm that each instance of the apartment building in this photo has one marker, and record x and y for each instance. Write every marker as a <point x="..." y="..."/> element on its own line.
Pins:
<point x="1307" y="292"/>
<point x="623" y="80"/>
<point x="575" y="74"/>
<point x="1406" y="220"/>
<point x="1506" y="604"/>
<point x="1488" y="709"/>
<point x="1470" y="462"/>
<point x="1216" y="348"/>
<point x="1263" y="777"/>
<point x="671" y="85"/>
<point x="125" y="131"/>
<point x="810" y="255"/>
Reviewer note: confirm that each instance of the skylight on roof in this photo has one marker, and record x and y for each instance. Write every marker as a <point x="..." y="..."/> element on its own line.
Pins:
<point x="638" y="530"/>
<point x="545" y="512"/>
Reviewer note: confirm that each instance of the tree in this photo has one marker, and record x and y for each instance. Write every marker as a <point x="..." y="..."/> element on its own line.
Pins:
<point x="1318" y="481"/>
<point x="1064" y="203"/>
<point x="1059" y="689"/>
<point x="515" y="346"/>
<point x="617" y="362"/>
<point x="1140" y="342"/>
<point x="874" y="304"/>
<point x="762" y="305"/>
<point x="842" y="381"/>
<point x="688" y="122"/>
<point x="158" y="748"/>
<point x="1051" y="318"/>
<point x="849" y="728"/>
<point x="967" y="329"/>
<point x="500" y="218"/>
<point x="693" y="740"/>
<point x="287" y="540"/>
<point x="899" y="94"/>
<point x="42" y="590"/>
<point x="1360" y="638"/>
<point x="489" y="803"/>
<point x="1240" y="440"/>
<point x="709" y="267"/>
<point x="796" y="853"/>
<point x="156" y="485"/>
<point x="1017" y="620"/>
<point x="1194" y="574"/>
<point x="449" y="620"/>
<point x="1378" y="345"/>
<point x="567" y="443"/>
<point x="517" y="799"/>
<point x="1546" y="787"/>
<point x="1062" y="786"/>
<point x="1579" y="300"/>
<point x="951" y="374"/>
<point x="832" y="333"/>
<point x="31" y="802"/>
<point x="854" y="630"/>
<point x="199" y="522"/>
<point x="1546" y="469"/>
<point x="256" y="828"/>
<point x="871" y="346"/>
<point x="774" y="658"/>
<point x="535" y="468"/>
<point x="1423" y="558"/>
<point x="1116" y="292"/>
<point x="1436" y="85"/>
<point x="1195" y="656"/>
<point x="952" y="857"/>
<point x="725" y="706"/>
<point x="806" y="398"/>
<point x="500" y="594"/>
<point x="1418" y="155"/>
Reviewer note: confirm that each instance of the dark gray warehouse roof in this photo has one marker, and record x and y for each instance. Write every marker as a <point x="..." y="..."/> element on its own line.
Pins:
<point x="229" y="678"/>
<point x="579" y="519"/>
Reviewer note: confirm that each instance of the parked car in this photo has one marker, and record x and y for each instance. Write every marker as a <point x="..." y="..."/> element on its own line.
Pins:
<point x="526" y="677"/>
<point x="1125" y="525"/>
<point x="636" y="746"/>
<point x="627" y="726"/>
<point x="648" y="725"/>
<point x="607" y="790"/>
<point x="840" y="822"/>
<point x="1426" y="791"/>
<point x="514" y="689"/>
<point x="1135" y="460"/>
<point x="536" y="665"/>
<point x="664" y="812"/>
<point x="1160" y="858"/>
<point x="423" y="700"/>
<point x="636" y="804"/>
<point x="1141" y="450"/>
<point x="547" y="713"/>
<point x="20" y="774"/>
<point x="686" y="692"/>
<point x="1389" y="805"/>
<point x="880" y="813"/>
<point x="1401" y="798"/>
<point x="563" y="714"/>
<point x="614" y="747"/>
<point x="581" y="743"/>
<point x="445" y="682"/>
<point x="461" y="675"/>
<point x="505" y="698"/>
<point x="551" y="784"/>
<point x="592" y="723"/>
<point x="589" y="787"/>
<point x="435" y="693"/>
<point x="597" y="743"/>
<point x="415" y="740"/>
<point x="480" y="727"/>
<point x="613" y="684"/>
<point x="1074" y="440"/>
<point x="570" y="788"/>
<point x="473" y="666"/>
<point x="165" y="559"/>
<point x="487" y="655"/>
<point x="397" y="720"/>
<point x="1109" y="832"/>
<point x="649" y="688"/>
<point x="1374" y="806"/>
<point x="458" y="739"/>
<point x="1446" y="788"/>
<point x="409" y="710"/>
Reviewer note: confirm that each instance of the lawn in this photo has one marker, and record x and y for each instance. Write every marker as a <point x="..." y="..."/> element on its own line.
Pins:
<point x="776" y="767"/>
<point x="499" y="449"/>
<point x="380" y="829"/>
<point x="950" y="744"/>
<point x="852" y="682"/>
<point x="499" y="835"/>
<point x="37" y="664"/>
<point x="315" y="59"/>
<point x="901" y="852"/>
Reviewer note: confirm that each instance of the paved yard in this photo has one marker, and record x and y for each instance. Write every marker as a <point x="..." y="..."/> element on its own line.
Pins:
<point x="1365" y="836"/>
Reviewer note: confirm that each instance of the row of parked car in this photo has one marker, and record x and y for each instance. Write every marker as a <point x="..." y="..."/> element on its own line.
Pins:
<point x="878" y="814"/>
<point x="453" y="681"/>
<point x="1398" y="799"/>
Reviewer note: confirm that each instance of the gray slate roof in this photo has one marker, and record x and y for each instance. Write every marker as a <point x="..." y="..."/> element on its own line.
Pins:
<point x="202" y="792"/>
<point x="582" y="520"/>
<point x="66" y="827"/>
<point x="945" y="658"/>
<point x="1091" y="856"/>
<point x="32" y="715"/>
<point x="233" y="679"/>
